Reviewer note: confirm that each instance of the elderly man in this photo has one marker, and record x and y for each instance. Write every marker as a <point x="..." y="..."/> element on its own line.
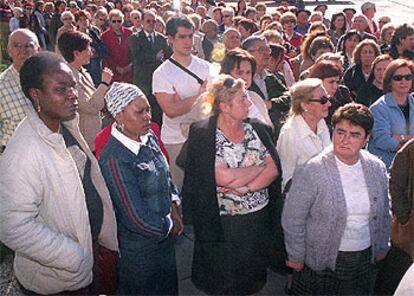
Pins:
<point x="368" y="9"/>
<point x="228" y="14"/>
<point x="22" y="44"/>
<point x="267" y="85"/>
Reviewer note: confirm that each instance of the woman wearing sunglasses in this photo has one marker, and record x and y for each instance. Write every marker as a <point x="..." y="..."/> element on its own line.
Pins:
<point x="305" y="129"/>
<point x="393" y="112"/>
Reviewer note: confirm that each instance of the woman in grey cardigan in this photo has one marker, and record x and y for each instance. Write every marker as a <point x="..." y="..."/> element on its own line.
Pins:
<point x="336" y="218"/>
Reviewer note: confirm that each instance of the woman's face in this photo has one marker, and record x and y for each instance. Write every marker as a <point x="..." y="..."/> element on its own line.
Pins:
<point x="232" y="40"/>
<point x="244" y="72"/>
<point x="67" y="21"/>
<point x="243" y="32"/>
<point x="58" y="97"/>
<point x="379" y="71"/>
<point x="238" y="107"/>
<point x="351" y="43"/>
<point x="339" y="22"/>
<point x="348" y="139"/>
<point x="315" y="108"/>
<point x="159" y="27"/>
<point x="367" y="55"/>
<point x="404" y="85"/>
<point x="83" y="23"/>
<point x="84" y="56"/>
<point x="136" y="118"/>
<point x="388" y="35"/>
<point x="331" y="85"/>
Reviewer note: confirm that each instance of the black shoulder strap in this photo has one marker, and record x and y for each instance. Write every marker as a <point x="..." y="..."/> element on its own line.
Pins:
<point x="199" y="80"/>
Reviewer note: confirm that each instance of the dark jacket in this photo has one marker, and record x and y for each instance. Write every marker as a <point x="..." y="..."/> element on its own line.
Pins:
<point x="340" y="98"/>
<point x="199" y="189"/>
<point x="353" y="79"/>
<point x="368" y="94"/>
<point x="143" y="53"/>
<point x="277" y="93"/>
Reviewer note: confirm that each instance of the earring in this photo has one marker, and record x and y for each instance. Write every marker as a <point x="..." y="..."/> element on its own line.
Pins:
<point x="38" y="108"/>
<point x="306" y="110"/>
<point x="121" y="127"/>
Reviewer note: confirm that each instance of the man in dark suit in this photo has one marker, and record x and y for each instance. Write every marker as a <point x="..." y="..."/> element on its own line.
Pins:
<point x="148" y="50"/>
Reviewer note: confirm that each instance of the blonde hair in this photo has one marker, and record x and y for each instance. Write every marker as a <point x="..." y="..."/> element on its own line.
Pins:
<point x="222" y="90"/>
<point x="302" y="92"/>
<point x="115" y="12"/>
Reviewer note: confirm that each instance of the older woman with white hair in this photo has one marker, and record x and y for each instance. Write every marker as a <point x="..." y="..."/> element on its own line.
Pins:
<point x="144" y="197"/>
<point x="231" y="39"/>
<point x="305" y="129"/>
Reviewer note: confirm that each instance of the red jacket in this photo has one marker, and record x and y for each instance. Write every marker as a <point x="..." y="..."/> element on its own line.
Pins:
<point x="104" y="135"/>
<point x="118" y="53"/>
<point x="296" y="40"/>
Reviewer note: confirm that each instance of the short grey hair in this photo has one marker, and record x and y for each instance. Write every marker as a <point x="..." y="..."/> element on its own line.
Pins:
<point x="251" y="41"/>
<point x="26" y="32"/>
<point x="367" y="5"/>
<point x="229" y="10"/>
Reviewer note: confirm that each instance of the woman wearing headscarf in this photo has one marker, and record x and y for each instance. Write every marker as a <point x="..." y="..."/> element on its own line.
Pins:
<point x="336" y="216"/>
<point x="56" y="213"/>
<point x="145" y="199"/>
<point x="75" y="48"/>
<point x="229" y="180"/>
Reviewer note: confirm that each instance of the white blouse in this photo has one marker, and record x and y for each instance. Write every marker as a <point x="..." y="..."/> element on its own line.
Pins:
<point x="297" y="143"/>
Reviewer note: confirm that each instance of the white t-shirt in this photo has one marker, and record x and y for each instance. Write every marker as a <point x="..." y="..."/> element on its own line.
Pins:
<point x="356" y="236"/>
<point x="168" y="77"/>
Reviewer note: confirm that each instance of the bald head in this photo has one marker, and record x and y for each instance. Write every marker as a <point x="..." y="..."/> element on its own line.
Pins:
<point x="22" y="45"/>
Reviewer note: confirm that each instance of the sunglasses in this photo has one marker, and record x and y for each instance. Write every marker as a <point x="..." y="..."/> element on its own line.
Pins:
<point x="150" y="21"/>
<point x="226" y="15"/>
<point x="407" y="77"/>
<point x="116" y="21"/>
<point x="322" y="100"/>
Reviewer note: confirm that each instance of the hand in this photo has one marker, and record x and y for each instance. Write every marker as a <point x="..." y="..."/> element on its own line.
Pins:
<point x="107" y="75"/>
<point x="120" y="70"/>
<point x="160" y="55"/>
<point x="178" y="225"/>
<point x="203" y="88"/>
<point x="296" y="266"/>
<point x="381" y="256"/>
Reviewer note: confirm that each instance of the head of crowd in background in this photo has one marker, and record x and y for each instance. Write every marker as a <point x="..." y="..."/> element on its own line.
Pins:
<point x="338" y="22"/>
<point x="402" y="40"/>
<point x="349" y="42"/>
<point x="239" y="64"/>
<point x="330" y="73"/>
<point x="379" y="65"/>
<point x="365" y="52"/>
<point x="75" y="46"/>
<point x="259" y="48"/>
<point x="231" y="38"/>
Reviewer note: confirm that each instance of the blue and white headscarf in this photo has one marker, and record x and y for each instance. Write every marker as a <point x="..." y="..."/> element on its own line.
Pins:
<point x="120" y="95"/>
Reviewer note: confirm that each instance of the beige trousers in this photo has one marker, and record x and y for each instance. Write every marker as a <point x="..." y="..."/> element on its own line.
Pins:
<point x="176" y="172"/>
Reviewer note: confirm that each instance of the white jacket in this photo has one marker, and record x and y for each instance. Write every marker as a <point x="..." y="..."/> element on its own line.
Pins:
<point x="43" y="213"/>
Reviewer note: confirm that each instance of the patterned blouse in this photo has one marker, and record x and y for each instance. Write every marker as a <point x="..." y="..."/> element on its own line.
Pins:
<point x="250" y="152"/>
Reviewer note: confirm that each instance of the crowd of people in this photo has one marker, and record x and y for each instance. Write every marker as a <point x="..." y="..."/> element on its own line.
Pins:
<point x="282" y="139"/>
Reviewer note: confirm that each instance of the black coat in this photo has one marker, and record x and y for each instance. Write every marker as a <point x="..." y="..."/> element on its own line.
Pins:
<point x="199" y="189"/>
<point x="143" y="54"/>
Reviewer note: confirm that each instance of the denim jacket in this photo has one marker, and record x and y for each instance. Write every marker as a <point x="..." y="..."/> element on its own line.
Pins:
<point x="389" y="120"/>
<point x="140" y="186"/>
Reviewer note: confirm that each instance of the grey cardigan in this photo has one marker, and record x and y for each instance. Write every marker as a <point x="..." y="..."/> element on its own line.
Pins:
<point x="314" y="214"/>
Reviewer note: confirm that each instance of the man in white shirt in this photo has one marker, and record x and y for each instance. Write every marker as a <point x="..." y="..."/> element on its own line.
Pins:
<point x="176" y="90"/>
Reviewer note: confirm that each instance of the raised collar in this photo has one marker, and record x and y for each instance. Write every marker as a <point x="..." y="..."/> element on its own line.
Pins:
<point x="305" y="131"/>
<point x="130" y="144"/>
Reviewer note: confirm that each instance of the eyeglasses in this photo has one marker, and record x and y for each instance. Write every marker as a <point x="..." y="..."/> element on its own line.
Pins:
<point x="150" y="21"/>
<point x="407" y="77"/>
<point x="18" y="46"/>
<point x="261" y="49"/>
<point x="322" y="100"/>
<point x="226" y="15"/>
<point x="290" y="21"/>
<point x="116" y="21"/>
<point x="102" y="20"/>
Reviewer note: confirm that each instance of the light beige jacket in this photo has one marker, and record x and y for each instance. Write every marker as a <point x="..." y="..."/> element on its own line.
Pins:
<point x="43" y="212"/>
<point x="91" y="102"/>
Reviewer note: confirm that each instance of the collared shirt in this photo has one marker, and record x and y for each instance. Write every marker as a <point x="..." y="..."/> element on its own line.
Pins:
<point x="297" y="133"/>
<point x="13" y="103"/>
<point x="150" y="36"/>
<point x="259" y="79"/>
<point x="134" y="147"/>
